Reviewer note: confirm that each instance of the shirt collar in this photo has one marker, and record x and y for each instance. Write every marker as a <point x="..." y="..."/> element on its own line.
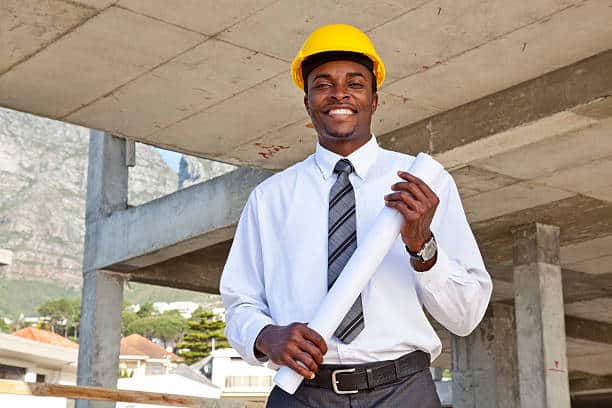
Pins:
<point x="361" y="159"/>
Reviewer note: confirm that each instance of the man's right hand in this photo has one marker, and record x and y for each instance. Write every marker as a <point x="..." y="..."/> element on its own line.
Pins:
<point x="291" y="345"/>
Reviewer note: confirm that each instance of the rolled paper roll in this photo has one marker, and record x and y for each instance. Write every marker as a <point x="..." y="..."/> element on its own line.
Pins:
<point x="359" y="269"/>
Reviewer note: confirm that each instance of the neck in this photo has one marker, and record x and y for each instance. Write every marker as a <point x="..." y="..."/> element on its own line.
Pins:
<point x="341" y="147"/>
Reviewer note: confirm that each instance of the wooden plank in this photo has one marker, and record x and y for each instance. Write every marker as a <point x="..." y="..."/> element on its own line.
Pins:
<point x="108" y="394"/>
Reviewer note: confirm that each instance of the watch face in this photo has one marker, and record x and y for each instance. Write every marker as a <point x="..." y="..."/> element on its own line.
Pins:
<point x="429" y="251"/>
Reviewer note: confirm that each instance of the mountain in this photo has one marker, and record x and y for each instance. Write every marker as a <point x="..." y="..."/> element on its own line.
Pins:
<point x="43" y="177"/>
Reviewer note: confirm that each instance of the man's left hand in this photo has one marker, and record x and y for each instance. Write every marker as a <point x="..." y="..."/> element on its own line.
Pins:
<point x="417" y="203"/>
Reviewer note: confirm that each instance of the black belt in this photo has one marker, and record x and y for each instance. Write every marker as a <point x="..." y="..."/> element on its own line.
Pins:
<point x="350" y="379"/>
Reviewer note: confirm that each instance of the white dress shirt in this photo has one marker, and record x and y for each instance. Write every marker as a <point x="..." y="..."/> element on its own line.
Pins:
<point x="276" y="272"/>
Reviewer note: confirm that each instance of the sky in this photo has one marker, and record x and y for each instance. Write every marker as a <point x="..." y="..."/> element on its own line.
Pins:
<point x="172" y="159"/>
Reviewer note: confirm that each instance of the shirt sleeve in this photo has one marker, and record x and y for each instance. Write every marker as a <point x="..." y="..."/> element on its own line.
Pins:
<point x="242" y="286"/>
<point x="457" y="289"/>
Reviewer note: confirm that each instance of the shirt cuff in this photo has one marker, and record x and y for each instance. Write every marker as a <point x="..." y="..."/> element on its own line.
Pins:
<point x="437" y="276"/>
<point x="252" y="330"/>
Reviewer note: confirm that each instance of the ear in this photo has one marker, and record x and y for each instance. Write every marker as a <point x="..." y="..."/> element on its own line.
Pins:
<point x="307" y="104"/>
<point x="374" y="102"/>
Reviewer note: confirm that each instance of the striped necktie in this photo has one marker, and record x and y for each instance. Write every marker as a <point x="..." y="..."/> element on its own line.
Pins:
<point x="342" y="242"/>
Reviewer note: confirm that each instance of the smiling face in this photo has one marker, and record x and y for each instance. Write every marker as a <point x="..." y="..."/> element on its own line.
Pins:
<point x="341" y="102"/>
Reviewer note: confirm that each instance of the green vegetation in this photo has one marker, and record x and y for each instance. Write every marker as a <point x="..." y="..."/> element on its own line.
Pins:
<point x="204" y="329"/>
<point x="167" y="327"/>
<point x="64" y="316"/>
<point x="25" y="296"/>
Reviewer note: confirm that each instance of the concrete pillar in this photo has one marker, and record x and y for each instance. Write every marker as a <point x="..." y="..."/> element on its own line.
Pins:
<point x="484" y="363"/>
<point x="102" y="299"/>
<point x="538" y="300"/>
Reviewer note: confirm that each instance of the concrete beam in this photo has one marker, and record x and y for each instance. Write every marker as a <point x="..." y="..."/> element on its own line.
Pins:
<point x="554" y="92"/>
<point x="580" y="218"/>
<point x="591" y="384"/>
<point x="6" y="257"/>
<point x="196" y="217"/>
<point x="199" y="271"/>
<point x="538" y="302"/>
<point x="591" y="330"/>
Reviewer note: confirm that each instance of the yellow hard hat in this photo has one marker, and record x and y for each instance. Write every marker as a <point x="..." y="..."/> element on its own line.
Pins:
<point x="337" y="37"/>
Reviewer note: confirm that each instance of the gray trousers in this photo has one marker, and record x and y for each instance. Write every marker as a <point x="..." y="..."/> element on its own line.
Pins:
<point x="416" y="391"/>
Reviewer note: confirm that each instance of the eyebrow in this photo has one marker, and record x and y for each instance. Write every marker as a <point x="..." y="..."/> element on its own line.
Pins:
<point x="350" y="75"/>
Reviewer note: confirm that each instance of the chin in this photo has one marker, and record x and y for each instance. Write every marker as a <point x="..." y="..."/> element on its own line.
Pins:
<point x="340" y="133"/>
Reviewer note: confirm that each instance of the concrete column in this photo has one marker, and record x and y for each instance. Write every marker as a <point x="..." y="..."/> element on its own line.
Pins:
<point x="538" y="299"/>
<point x="102" y="299"/>
<point x="484" y="363"/>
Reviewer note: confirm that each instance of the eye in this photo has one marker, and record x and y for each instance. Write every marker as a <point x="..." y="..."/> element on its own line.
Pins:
<point x="356" y="85"/>
<point x="322" y="85"/>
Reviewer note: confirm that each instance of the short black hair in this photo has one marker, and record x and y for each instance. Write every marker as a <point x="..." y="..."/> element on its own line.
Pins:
<point x="315" y="60"/>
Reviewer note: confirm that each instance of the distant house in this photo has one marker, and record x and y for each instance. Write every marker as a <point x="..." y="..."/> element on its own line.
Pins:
<point x="185" y="309"/>
<point x="141" y="357"/>
<point x="34" y="355"/>
<point x="6" y="257"/>
<point x="182" y="380"/>
<point x="236" y="378"/>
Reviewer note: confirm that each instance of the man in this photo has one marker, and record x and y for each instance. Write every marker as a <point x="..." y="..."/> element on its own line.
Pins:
<point x="300" y="227"/>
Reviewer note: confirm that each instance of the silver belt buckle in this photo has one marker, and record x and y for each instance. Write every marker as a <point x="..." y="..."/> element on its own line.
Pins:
<point x="334" y="381"/>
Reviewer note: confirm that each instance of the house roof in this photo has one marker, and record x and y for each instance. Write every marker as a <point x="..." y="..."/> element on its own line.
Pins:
<point x="137" y="345"/>
<point x="44" y="336"/>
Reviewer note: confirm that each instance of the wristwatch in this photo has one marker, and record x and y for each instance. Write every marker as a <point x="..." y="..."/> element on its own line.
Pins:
<point x="427" y="252"/>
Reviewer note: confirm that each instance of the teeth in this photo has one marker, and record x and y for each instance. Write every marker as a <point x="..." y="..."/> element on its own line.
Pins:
<point x="340" y="112"/>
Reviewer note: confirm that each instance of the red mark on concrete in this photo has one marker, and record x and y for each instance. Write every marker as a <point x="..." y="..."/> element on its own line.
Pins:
<point x="556" y="367"/>
<point x="269" y="150"/>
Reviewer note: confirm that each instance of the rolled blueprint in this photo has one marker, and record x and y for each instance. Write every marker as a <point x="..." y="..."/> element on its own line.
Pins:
<point x="359" y="269"/>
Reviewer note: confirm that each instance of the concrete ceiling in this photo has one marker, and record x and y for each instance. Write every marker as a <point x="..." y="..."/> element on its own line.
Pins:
<point x="515" y="98"/>
<point x="212" y="78"/>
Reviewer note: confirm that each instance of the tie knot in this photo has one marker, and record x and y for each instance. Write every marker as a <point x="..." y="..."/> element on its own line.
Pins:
<point x="343" y="166"/>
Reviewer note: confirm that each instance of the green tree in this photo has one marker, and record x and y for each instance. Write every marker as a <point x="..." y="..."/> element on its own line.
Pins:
<point x="146" y="310"/>
<point x="168" y="327"/>
<point x="63" y="315"/>
<point x="4" y="328"/>
<point x="204" y="329"/>
<point x="127" y="317"/>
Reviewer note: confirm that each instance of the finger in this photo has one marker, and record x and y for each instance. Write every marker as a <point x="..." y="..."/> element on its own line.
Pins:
<point x="418" y="193"/>
<point x="306" y="359"/>
<point x="401" y="186"/>
<point x="406" y="212"/>
<point x="313" y="350"/>
<point x="422" y="185"/>
<point x="299" y="368"/>
<point x="315" y="338"/>
<point x="407" y="199"/>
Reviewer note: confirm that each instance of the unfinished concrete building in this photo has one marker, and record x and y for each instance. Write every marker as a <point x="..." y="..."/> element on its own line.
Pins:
<point x="514" y="98"/>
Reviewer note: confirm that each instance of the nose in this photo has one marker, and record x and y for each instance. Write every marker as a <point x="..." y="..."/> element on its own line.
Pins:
<point x="339" y="92"/>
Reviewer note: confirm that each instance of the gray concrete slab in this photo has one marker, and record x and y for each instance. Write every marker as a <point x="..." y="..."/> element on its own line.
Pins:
<point x="513" y="198"/>
<point x="27" y="27"/>
<point x="448" y="83"/>
<point x="193" y="81"/>
<point x="204" y="16"/>
<point x="231" y="123"/>
<point x="105" y="52"/>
